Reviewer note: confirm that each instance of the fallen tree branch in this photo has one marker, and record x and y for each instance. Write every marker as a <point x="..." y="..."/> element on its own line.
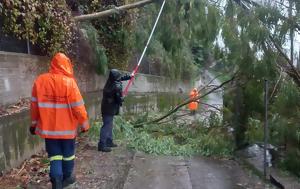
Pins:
<point x="211" y="106"/>
<point x="212" y="80"/>
<point x="138" y="125"/>
<point x="208" y="84"/>
<point x="285" y="57"/>
<point x="276" y="85"/>
<point x="23" y="166"/>
<point x="174" y="118"/>
<point x="182" y="115"/>
<point x="291" y="71"/>
<point x="114" y="10"/>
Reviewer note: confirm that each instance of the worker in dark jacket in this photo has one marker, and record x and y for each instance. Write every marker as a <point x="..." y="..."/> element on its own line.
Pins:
<point x="110" y="106"/>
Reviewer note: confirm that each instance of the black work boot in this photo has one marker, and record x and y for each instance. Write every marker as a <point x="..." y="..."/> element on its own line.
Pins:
<point x="110" y="143"/>
<point x="103" y="148"/>
<point x="56" y="183"/>
<point x="69" y="180"/>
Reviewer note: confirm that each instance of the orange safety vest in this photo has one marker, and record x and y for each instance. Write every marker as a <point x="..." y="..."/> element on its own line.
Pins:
<point x="193" y="105"/>
<point x="57" y="107"/>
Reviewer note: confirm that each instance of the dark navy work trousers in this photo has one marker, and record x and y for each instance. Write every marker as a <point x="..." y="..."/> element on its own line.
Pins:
<point x="61" y="153"/>
<point x="106" y="129"/>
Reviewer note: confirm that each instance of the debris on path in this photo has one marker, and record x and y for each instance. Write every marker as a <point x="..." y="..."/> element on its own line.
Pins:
<point x="34" y="170"/>
<point x="22" y="104"/>
<point x="93" y="169"/>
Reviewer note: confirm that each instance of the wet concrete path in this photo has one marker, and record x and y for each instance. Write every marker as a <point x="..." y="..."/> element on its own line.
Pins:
<point x="161" y="172"/>
<point x="154" y="172"/>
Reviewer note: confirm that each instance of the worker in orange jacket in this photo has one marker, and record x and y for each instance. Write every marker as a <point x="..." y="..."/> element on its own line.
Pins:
<point x="57" y="109"/>
<point x="193" y="106"/>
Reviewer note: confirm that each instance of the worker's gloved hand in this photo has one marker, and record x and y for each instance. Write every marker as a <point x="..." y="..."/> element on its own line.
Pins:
<point x="32" y="130"/>
<point x="84" y="130"/>
<point x="125" y="77"/>
<point x="128" y="76"/>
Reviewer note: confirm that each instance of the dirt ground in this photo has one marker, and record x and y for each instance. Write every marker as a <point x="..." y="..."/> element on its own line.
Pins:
<point x="93" y="169"/>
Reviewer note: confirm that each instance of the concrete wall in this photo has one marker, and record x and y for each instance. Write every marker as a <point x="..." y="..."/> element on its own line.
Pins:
<point x="151" y="84"/>
<point x="15" y="142"/>
<point x="17" y="73"/>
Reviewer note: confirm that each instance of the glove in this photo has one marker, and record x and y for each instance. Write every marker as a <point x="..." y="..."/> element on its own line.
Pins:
<point x="84" y="130"/>
<point x="32" y="130"/>
<point x="126" y="77"/>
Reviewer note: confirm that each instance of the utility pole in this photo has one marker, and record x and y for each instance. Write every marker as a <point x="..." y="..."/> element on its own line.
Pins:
<point x="266" y="132"/>
<point x="298" y="63"/>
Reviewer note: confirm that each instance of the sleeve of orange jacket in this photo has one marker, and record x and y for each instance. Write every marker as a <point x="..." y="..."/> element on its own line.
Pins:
<point x="34" y="107"/>
<point x="78" y="107"/>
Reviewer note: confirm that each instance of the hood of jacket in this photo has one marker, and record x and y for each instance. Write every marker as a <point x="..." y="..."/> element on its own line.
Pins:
<point x="61" y="64"/>
<point x="114" y="75"/>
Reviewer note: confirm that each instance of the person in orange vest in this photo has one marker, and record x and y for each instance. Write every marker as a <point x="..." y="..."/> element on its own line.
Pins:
<point x="193" y="106"/>
<point x="57" y="109"/>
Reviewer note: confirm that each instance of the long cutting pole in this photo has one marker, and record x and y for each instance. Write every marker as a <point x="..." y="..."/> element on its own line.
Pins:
<point x="145" y="49"/>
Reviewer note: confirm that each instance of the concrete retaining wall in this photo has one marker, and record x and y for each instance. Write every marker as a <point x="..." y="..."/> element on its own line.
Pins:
<point x="18" y="71"/>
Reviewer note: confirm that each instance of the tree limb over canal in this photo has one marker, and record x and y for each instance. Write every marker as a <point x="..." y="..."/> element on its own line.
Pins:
<point x="139" y="125"/>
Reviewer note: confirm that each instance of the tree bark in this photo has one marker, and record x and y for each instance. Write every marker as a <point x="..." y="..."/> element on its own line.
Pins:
<point x="113" y="10"/>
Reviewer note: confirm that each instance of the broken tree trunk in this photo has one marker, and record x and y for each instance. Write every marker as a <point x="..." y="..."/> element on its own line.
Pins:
<point x="114" y="10"/>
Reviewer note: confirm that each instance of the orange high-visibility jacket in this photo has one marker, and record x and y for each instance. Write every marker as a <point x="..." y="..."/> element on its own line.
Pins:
<point x="193" y="94"/>
<point x="57" y="107"/>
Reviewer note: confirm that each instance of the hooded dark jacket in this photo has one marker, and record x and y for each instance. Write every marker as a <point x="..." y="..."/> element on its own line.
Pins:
<point x="112" y="93"/>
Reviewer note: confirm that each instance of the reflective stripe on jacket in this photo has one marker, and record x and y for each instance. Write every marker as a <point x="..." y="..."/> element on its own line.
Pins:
<point x="57" y="107"/>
